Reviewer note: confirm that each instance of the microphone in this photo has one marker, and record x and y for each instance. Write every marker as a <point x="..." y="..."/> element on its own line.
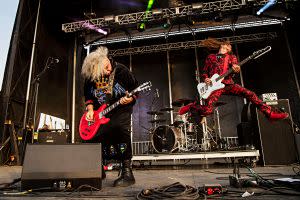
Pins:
<point x="157" y="92"/>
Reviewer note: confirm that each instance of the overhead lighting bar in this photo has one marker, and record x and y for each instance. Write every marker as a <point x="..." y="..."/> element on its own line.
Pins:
<point x="188" y="31"/>
<point x="182" y="11"/>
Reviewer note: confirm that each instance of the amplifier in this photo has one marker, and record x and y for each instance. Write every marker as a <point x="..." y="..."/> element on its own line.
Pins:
<point x="61" y="167"/>
<point x="275" y="139"/>
<point x="54" y="137"/>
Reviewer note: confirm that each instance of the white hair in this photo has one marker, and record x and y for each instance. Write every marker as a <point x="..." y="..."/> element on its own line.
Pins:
<point x="92" y="67"/>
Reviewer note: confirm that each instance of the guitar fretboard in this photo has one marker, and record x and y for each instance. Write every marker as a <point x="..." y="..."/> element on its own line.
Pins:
<point x="110" y="108"/>
<point x="231" y="70"/>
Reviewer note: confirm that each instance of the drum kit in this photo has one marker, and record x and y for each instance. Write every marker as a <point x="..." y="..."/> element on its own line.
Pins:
<point x="184" y="134"/>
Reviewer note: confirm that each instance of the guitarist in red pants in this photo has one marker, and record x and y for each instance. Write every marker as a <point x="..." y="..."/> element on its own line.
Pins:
<point x="219" y="64"/>
<point x="106" y="83"/>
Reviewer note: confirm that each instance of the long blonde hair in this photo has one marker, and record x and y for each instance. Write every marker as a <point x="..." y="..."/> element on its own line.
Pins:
<point x="214" y="44"/>
<point x="92" y="67"/>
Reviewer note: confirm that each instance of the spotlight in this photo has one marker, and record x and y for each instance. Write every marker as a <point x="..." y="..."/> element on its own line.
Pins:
<point x="167" y="24"/>
<point x="190" y="21"/>
<point x="141" y="27"/>
<point x="265" y="7"/>
<point x="197" y="5"/>
<point x="218" y="17"/>
<point x="109" y="18"/>
<point x="157" y="11"/>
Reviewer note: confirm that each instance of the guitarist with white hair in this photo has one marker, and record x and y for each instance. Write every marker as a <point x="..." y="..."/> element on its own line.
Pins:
<point x="220" y="64"/>
<point x="107" y="83"/>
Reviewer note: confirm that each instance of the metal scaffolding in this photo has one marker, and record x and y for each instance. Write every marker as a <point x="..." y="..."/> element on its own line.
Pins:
<point x="158" y="14"/>
<point x="190" y="44"/>
<point x="164" y="34"/>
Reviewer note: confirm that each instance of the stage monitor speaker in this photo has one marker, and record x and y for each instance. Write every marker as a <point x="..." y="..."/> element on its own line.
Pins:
<point x="275" y="139"/>
<point x="61" y="167"/>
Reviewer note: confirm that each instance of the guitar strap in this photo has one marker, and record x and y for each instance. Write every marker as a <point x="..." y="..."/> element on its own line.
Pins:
<point x="226" y="62"/>
<point x="110" y="85"/>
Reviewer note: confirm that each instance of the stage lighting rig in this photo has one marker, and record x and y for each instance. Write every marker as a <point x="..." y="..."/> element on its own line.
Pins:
<point x="167" y="24"/>
<point x="197" y="5"/>
<point x="141" y="27"/>
<point x="108" y="18"/>
<point x="157" y="11"/>
<point x="266" y="6"/>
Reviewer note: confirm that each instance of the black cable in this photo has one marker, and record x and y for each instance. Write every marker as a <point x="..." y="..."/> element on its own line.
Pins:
<point x="173" y="191"/>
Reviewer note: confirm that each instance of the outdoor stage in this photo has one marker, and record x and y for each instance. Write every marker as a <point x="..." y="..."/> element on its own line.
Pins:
<point x="154" y="177"/>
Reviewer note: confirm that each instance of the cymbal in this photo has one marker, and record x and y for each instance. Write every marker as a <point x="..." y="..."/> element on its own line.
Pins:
<point x="167" y="109"/>
<point x="219" y="103"/>
<point x="181" y="102"/>
<point x="157" y="120"/>
<point x="154" y="113"/>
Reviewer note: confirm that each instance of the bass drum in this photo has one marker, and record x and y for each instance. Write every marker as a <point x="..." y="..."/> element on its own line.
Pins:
<point x="166" y="139"/>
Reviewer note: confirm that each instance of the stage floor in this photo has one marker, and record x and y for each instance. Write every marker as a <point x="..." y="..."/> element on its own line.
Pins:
<point x="153" y="177"/>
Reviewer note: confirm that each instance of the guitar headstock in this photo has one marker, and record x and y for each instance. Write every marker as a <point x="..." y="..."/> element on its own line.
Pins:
<point x="260" y="52"/>
<point x="143" y="87"/>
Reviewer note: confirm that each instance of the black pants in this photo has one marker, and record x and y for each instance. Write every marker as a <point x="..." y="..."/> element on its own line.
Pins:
<point x="115" y="137"/>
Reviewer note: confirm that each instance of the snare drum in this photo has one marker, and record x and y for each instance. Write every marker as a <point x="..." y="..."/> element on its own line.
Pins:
<point x="166" y="139"/>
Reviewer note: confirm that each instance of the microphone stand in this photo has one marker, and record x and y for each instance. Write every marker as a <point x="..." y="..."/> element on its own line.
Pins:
<point x="36" y="82"/>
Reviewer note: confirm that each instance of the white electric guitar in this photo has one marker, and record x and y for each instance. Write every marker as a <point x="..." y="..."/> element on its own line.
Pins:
<point x="216" y="80"/>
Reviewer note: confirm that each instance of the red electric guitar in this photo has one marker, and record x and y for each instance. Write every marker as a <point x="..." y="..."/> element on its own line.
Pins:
<point x="88" y="129"/>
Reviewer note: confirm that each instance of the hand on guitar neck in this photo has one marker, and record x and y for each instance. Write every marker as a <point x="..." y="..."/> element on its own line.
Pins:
<point x="126" y="99"/>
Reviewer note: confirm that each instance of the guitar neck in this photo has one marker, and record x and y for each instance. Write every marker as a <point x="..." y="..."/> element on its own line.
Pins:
<point x="231" y="70"/>
<point x="110" y="108"/>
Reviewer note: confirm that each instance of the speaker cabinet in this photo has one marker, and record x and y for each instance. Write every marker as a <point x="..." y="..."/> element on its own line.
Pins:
<point x="275" y="139"/>
<point x="60" y="167"/>
<point x="54" y="137"/>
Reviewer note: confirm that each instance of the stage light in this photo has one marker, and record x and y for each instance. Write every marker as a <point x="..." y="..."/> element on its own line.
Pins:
<point x="157" y="11"/>
<point x="109" y="18"/>
<point x="141" y="27"/>
<point x="265" y="7"/>
<point x="167" y="24"/>
<point x="218" y="17"/>
<point x="197" y="5"/>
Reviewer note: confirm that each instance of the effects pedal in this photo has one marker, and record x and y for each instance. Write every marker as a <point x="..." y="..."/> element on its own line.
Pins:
<point x="211" y="189"/>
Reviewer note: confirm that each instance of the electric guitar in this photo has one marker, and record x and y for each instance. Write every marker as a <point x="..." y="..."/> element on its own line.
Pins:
<point x="205" y="90"/>
<point x="88" y="129"/>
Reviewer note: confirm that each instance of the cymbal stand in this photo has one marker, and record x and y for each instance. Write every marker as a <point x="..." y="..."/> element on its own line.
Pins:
<point x="205" y="141"/>
<point x="217" y="123"/>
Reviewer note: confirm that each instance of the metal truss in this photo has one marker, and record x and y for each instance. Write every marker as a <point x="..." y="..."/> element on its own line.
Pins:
<point x="190" y="44"/>
<point x="158" y="14"/>
<point x="143" y="36"/>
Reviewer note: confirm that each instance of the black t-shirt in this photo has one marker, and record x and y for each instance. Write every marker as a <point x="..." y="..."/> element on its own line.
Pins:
<point x="124" y="81"/>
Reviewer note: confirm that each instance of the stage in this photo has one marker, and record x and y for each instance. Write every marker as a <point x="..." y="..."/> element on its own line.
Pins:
<point x="153" y="177"/>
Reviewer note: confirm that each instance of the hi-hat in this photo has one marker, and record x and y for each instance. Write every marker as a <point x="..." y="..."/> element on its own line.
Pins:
<point x="181" y="102"/>
<point x="167" y="109"/>
<point x="157" y="120"/>
<point x="154" y="113"/>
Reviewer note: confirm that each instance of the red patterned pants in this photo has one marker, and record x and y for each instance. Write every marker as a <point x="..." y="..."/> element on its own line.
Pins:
<point x="232" y="89"/>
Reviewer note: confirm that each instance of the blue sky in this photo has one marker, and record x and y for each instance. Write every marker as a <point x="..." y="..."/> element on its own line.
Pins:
<point x="8" y="11"/>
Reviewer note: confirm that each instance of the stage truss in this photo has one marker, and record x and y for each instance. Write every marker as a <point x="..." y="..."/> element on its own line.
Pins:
<point x="190" y="44"/>
<point x="159" y="14"/>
